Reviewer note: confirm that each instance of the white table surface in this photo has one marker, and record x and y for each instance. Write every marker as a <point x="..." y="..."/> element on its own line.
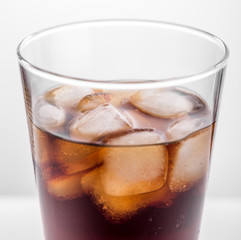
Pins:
<point x="20" y="219"/>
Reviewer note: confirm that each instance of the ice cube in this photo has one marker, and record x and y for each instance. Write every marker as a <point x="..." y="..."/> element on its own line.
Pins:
<point x="92" y="101"/>
<point x="166" y="102"/>
<point x="118" y="209"/>
<point x="48" y="116"/>
<point x="75" y="157"/>
<point x="67" y="96"/>
<point x="134" y="170"/>
<point x="189" y="160"/>
<point x="99" y="122"/>
<point x="141" y="136"/>
<point x="184" y="127"/>
<point x="91" y="161"/>
<point x="63" y="187"/>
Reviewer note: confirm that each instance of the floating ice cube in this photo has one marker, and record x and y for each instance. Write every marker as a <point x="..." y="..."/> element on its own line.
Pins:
<point x="166" y="102"/>
<point x="183" y="128"/>
<point x="63" y="187"/>
<point x="92" y="101"/>
<point x="115" y="209"/>
<point x="48" y="116"/>
<point x="99" y="122"/>
<point x="118" y="209"/>
<point x="145" y="136"/>
<point x="67" y="96"/>
<point x="134" y="170"/>
<point x="74" y="157"/>
<point x="189" y="160"/>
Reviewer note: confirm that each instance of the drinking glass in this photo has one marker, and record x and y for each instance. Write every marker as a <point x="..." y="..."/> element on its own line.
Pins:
<point x="121" y="117"/>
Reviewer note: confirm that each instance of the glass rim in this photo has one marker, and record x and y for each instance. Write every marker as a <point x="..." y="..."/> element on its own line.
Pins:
<point x="171" y="81"/>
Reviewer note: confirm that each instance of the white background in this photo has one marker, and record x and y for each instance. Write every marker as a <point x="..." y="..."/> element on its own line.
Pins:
<point x="22" y="17"/>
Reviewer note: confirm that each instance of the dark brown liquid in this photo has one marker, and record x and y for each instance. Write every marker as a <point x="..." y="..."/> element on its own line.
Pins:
<point x="80" y="219"/>
<point x="75" y="205"/>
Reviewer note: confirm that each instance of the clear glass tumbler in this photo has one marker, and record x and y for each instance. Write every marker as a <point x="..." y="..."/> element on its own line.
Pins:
<point x="121" y="116"/>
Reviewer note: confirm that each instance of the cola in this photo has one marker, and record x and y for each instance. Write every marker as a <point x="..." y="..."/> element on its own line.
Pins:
<point x="121" y="164"/>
